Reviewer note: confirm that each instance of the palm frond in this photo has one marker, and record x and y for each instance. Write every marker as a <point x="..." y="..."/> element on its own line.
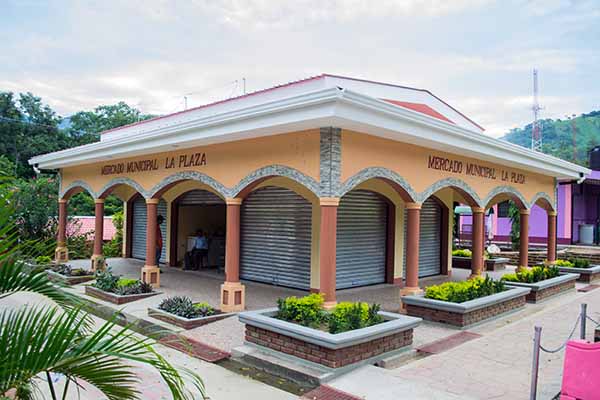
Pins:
<point x="15" y="277"/>
<point x="40" y="339"/>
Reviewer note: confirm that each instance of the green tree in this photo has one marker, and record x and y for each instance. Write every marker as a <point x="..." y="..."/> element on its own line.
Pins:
<point x="37" y="340"/>
<point x="36" y="207"/>
<point x="515" y="229"/>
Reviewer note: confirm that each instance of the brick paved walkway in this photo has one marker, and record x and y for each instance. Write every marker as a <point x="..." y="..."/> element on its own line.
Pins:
<point x="494" y="366"/>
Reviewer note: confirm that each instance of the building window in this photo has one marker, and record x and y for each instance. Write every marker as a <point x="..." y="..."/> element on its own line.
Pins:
<point x="503" y="209"/>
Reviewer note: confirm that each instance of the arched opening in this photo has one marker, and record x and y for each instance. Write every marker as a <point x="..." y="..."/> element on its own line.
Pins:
<point x="502" y="214"/>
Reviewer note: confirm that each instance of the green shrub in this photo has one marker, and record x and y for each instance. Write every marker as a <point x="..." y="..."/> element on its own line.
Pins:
<point x="43" y="260"/>
<point x="184" y="307"/>
<point x="66" y="270"/>
<point x="580" y="263"/>
<point x="348" y="316"/>
<point x="307" y="310"/>
<point x="462" y="253"/>
<point x="106" y="281"/>
<point x="532" y="275"/>
<point x="459" y="292"/>
<point x="564" y="263"/>
<point x="123" y="282"/>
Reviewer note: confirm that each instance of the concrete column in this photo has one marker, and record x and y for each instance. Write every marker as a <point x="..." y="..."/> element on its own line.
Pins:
<point x="97" y="258"/>
<point x="61" y="253"/>
<point x="150" y="271"/>
<point x="413" y="233"/>
<point x="477" y="242"/>
<point x="233" y="293"/>
<point x="524" y="239"/>
<point x="551" y="244"/>
<point x="327" y="249"/>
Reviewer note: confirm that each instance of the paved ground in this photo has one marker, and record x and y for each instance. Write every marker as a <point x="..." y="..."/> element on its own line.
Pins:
<point x="495" y="366"/>
<point x="229" y="333"/>
<point x="220" y="383"/>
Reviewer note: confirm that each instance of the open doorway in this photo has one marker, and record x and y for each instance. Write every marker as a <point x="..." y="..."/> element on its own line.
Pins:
<point x="194" y="211"/>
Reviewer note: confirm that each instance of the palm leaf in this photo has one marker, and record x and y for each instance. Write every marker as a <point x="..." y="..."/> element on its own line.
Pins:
<point x="44" y="339"/>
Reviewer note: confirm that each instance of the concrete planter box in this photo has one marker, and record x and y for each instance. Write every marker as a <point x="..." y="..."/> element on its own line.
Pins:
<point x="468" y="313"/>
<point x="69" y="280"/>
<point x="115" y="298"/>
<point x="547" y="288"/>
<point x="587" y="275"/>
<point x="186" y="323"/>
<point x="491" y="264"/>
<point x="330" y="350"/>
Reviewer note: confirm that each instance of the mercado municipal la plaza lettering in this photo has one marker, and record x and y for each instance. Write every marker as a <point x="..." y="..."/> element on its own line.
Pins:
<point x="322" y="184"/>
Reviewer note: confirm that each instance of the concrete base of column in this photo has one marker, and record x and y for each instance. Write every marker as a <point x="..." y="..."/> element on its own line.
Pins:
<point x="410" y="291"/>
<point x="233" y="297"/>
<point x="98" y="262"/>
<point x="329" y="305"/>
<point x="151" y="275"/>
<point x="61" y="254"/>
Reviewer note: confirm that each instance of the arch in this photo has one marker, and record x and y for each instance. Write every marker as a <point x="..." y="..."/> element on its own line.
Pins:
<point x="106" y="189"/>
<point x="470" y="196"/>
<point x="172" y="180"/>
<point x="76" y="187"/>
<point x="406" y="192"/>
<point x="512" y="193"/>
<point x="250" y="181"/>
<point x="543" y="200"/>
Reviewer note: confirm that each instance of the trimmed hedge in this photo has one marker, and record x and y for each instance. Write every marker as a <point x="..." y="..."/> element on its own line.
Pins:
<point x="459" y="292"/>
<point x="532" y="275"/>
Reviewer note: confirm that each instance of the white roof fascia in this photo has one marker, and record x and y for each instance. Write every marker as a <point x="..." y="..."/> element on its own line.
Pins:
<point x="328" y="107"/>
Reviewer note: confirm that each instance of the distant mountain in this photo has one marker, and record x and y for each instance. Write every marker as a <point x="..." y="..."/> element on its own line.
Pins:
<point x="557" y="136"/>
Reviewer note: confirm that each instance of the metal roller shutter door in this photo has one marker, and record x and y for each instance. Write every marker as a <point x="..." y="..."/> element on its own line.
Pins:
<point x="138" y="235"/>
<point x="361" y="240"/>
<point x="275" y="241"/>
<point x="199" y="197"/>
<point x="429" y="241"/>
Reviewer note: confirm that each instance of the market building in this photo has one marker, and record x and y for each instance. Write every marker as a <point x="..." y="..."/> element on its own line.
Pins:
<point x="321" y="184"/>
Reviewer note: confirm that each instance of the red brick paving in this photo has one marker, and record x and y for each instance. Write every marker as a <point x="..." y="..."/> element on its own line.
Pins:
<point x="325" y="392"/>
<point x="194" y="348"/>
<point x="448" y="343"/>
<point x="588" y="288"/>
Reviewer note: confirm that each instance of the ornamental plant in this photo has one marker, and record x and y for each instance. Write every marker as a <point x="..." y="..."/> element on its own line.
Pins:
<point x="347" y="316"/>
<point x="67" y="270"/>
<point x="106" y="281"/>
<point x="183" y="306"/>
<point x="43" y="260"/>
<point x="459" y="292"/>
<point x="580" y="263"/>
<point x="462" y="253"/>
<point x="532" y="275"/>
<point x="564" y="263"/>
<point x="307" y="310"/>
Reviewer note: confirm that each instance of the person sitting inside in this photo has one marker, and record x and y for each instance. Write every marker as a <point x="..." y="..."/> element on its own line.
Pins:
<point x="200" y="249"/>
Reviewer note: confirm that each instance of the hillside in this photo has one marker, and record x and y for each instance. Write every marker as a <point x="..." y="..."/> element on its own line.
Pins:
<point x="558" y="136"/>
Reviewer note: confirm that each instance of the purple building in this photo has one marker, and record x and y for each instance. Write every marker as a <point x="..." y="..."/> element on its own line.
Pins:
<point x="578" y="213"/>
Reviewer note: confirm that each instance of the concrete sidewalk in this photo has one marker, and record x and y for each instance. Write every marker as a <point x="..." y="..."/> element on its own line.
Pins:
<point x="494" y="366"/>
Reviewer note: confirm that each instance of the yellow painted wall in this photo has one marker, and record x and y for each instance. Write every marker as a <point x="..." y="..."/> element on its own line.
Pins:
<point x="360" y="151"/>
<point x="227" y="163"/>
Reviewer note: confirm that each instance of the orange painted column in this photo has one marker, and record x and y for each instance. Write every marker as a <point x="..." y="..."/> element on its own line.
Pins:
<point x="477" y="242"/>
<point x="61" y="254"/>
<point x="97" y="262"/>
<point x="524" y="239"/>
<point x="233" y="293"/>
<point x="551" y="252"/>
<point x="150" y="271"/>
<point x="413" y="233"/>
<point x="327" y="249"/>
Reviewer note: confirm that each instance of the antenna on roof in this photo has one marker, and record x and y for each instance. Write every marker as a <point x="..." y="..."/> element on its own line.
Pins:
<point x="244" y="85"/>
<point x="536" y="132"/>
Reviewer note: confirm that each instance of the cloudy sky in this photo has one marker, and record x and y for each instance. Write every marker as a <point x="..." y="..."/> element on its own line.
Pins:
<point x="477" y="55"/>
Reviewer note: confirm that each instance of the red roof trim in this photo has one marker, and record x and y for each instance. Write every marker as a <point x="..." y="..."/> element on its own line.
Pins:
<point x="217" y="102"/>
<point x="420" y="108"/>
<point x="290" y="84"/>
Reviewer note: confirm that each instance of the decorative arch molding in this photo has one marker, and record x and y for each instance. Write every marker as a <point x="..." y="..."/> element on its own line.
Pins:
<point x="189" y="176"/>
<point x="547" y="199"/>
<point x="122" y="181"/>
<point x="511" y="191"/>
<point x="377" y="172"/>
<point x="74" y="185"/>
<point x="458" y="184"/>
<point x="276" y="171"/>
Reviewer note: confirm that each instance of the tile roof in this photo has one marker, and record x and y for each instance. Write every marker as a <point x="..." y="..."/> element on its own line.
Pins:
<point x="81" y="225"/>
